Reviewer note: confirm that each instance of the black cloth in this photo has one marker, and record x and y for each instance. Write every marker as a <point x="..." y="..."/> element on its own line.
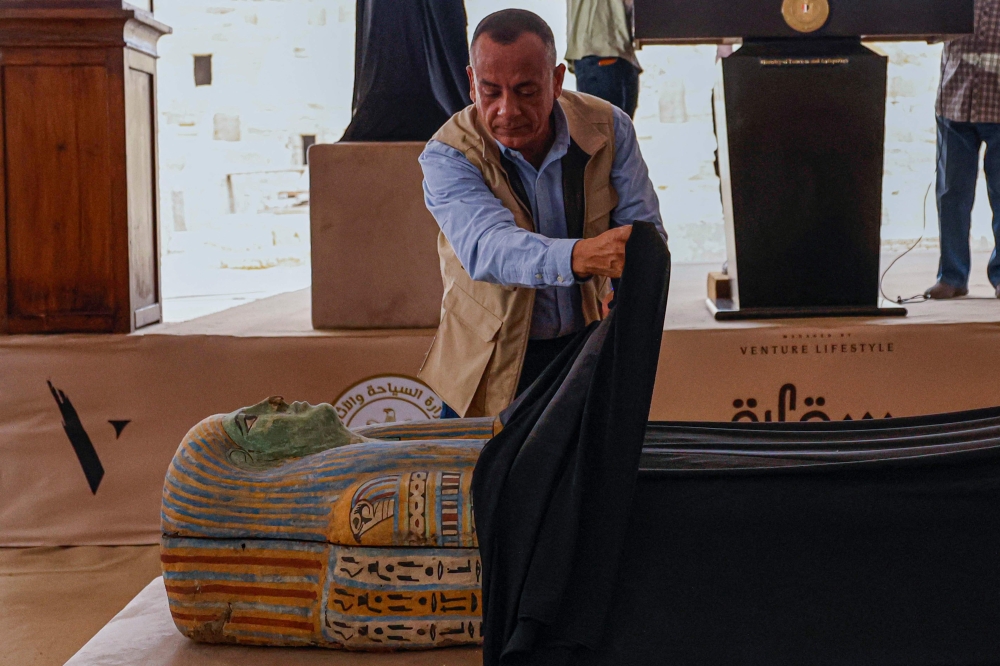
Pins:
<point x="850" y="543"/>
<point x="409" y="68"/>
<point x="551" y="490"/>
<point x="832" y="543"/>
<point x="775" y="544"/>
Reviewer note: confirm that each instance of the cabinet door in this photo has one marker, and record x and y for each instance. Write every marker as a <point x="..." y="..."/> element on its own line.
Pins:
<point x="140" y="133"/>
<point x="59" y="198"/>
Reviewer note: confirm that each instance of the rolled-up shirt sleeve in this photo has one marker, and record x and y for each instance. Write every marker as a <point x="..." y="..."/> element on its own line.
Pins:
<point x="490" y="245"/>
<point x="637" y="200"/>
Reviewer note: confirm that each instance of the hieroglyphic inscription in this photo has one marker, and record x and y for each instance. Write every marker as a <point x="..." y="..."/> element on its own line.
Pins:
<point x="361" y="634"/>
<point x="359" y="566"/>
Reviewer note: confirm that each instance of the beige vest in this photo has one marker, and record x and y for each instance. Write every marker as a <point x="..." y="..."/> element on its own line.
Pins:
<point x="475" y="360"/>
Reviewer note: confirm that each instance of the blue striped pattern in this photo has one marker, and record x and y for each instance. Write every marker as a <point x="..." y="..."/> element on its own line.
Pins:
<point x="306" y="499"/>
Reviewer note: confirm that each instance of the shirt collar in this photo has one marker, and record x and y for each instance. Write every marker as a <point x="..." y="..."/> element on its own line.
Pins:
<point x="559" y="147"/>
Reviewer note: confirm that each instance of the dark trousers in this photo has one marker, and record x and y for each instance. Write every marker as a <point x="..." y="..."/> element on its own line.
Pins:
<point x="958" y="147"/>
<point x="616" y="81"/>
<point x="539" y="355"/>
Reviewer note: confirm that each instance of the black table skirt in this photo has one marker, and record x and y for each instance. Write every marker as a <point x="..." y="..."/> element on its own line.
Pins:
<point x="847" y="544"/>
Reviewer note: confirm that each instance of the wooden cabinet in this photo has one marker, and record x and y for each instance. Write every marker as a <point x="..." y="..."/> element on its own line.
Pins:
<point x="79" y="237"/>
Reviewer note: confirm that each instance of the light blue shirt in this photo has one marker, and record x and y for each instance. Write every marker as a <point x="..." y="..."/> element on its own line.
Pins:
<point x="491" y="246"/>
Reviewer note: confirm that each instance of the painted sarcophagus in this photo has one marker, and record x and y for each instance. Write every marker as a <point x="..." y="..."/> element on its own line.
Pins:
<point x="282" y="527"/>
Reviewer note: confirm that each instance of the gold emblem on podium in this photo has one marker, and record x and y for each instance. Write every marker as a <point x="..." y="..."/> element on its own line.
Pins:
<point x="806" y="15"/>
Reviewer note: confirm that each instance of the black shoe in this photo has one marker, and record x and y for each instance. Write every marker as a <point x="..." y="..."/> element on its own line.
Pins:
<point x="998" y="291"/>
<point x="942" y="291"/>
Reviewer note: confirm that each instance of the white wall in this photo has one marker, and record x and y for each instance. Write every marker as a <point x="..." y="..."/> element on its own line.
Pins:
<point x="283" y="68"/>
<point x="234" y="190"/>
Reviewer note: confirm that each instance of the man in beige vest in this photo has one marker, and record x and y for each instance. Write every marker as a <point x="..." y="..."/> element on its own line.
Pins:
<point x="535" y="189"/>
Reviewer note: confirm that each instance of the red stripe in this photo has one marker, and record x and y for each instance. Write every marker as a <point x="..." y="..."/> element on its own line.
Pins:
<point x="288" y="562"/>
<point x="194" y="618"/>
<point x="268" y="622"/>
<point x="236" y="589"/>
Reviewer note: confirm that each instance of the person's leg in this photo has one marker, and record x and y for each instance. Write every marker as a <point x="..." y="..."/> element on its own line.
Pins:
<point x="957" y="169"/>
<point x="990" y="133"/>
<point x="600" y="77"/>
<point x="539" y="355"/>
<point x="630" y="82"/>
<point x="715" y="133"/>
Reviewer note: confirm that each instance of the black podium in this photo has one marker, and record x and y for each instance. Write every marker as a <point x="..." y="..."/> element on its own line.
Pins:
<point x="800" y="114"/>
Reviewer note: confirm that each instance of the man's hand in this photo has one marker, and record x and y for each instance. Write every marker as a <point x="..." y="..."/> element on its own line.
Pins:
<point x="601" y="255"/>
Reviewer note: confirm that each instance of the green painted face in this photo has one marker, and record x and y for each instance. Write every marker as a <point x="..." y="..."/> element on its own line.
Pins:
<point x="273" y="431"/>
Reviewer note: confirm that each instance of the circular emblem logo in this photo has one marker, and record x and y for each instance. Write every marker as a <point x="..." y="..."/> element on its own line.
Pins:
<point x="806" y="15"/>
<point x="387" y="399"/>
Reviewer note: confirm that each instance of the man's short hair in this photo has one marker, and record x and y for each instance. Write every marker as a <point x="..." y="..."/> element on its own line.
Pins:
<point x="507" y="25"/>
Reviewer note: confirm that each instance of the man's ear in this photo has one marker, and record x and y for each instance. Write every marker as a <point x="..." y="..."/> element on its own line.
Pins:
<point x="472" y="83"/>
<point x="557" y="79"/>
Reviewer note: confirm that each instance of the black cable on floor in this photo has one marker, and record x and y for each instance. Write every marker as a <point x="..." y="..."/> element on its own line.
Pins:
<point x="920" y="298"/>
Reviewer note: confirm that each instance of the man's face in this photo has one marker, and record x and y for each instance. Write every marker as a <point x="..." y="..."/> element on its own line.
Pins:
<point x="273" y="431"/>
<point x="514" y="87"/>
